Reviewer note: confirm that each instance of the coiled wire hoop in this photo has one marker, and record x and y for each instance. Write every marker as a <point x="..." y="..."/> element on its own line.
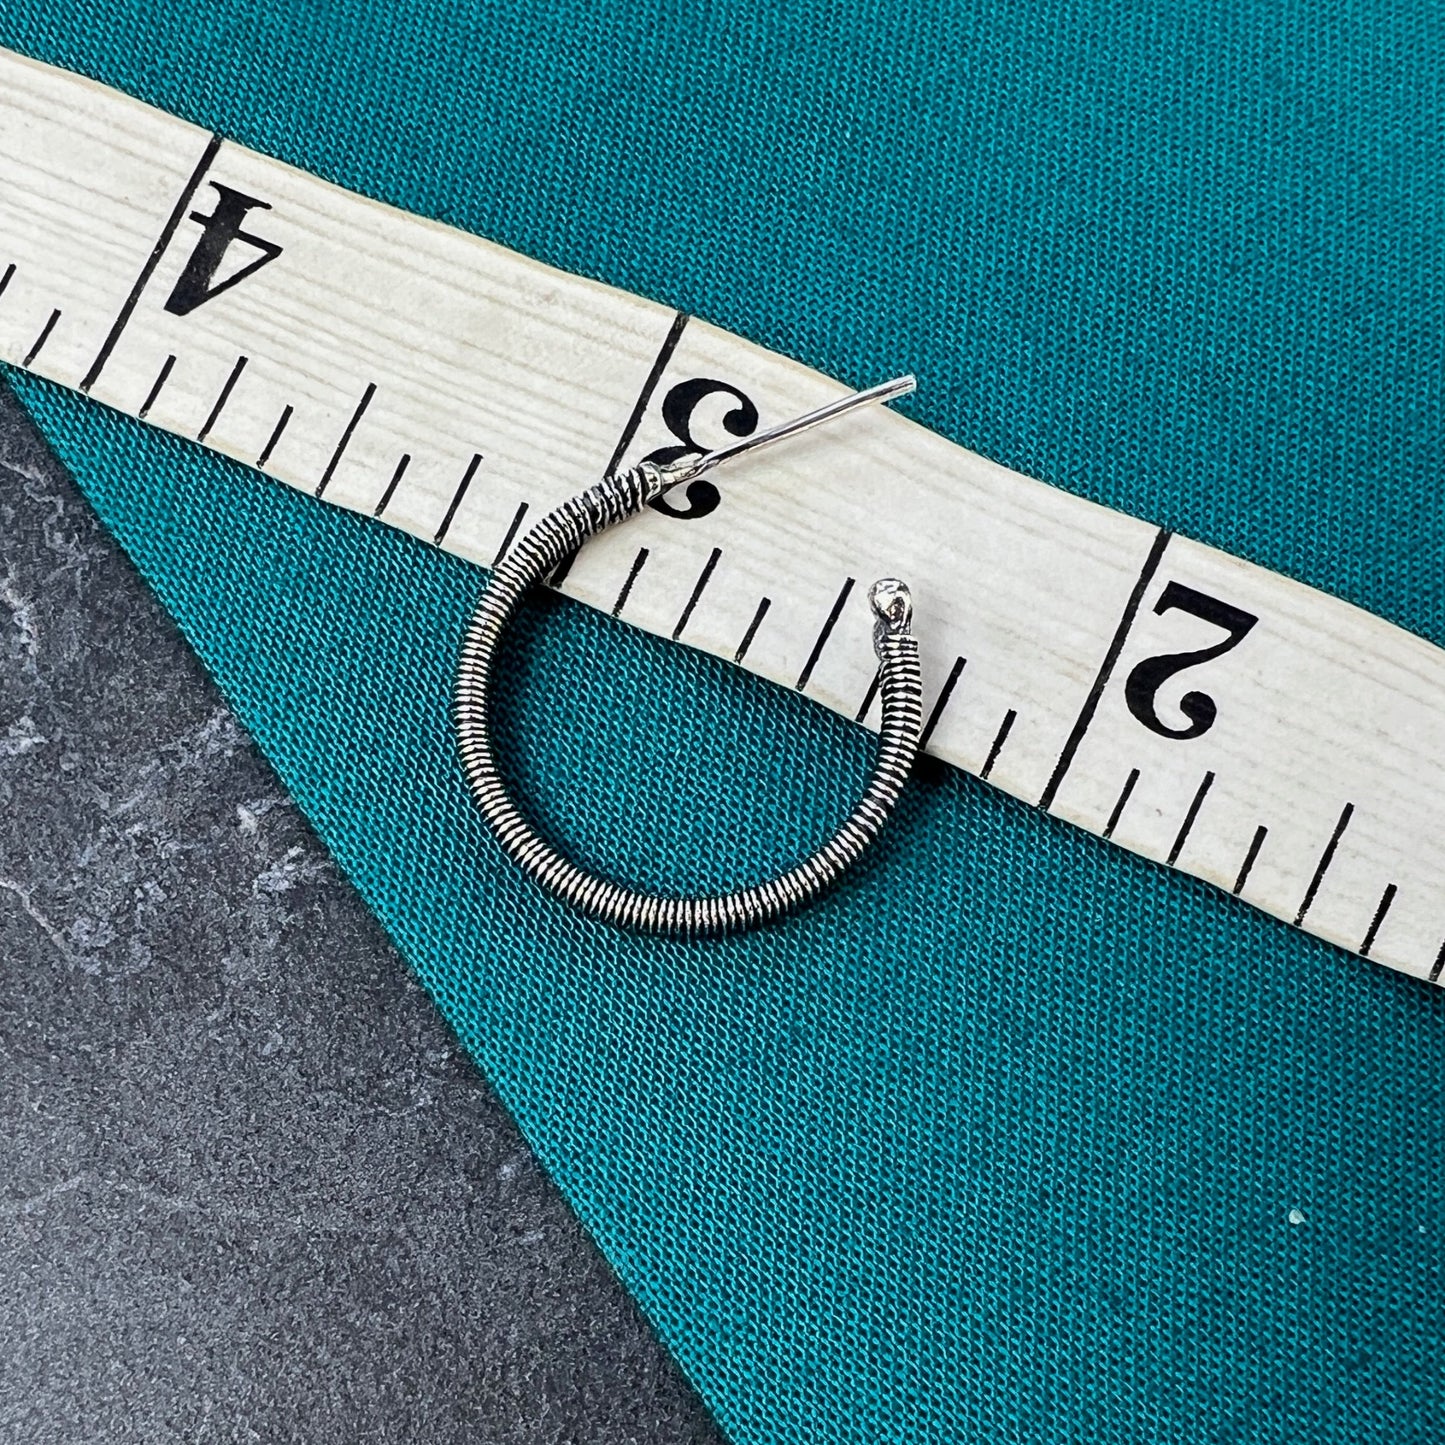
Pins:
<point x="557" y="536"/>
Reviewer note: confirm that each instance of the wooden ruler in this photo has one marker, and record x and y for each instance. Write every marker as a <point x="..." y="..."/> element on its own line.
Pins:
<point x="1191" y="707"/>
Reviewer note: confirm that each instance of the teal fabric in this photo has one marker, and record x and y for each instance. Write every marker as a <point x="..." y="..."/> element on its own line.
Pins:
<point x="1001" y="1141"/>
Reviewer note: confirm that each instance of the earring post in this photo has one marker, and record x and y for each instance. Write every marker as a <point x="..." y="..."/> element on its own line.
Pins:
<point x="885" y="391"/>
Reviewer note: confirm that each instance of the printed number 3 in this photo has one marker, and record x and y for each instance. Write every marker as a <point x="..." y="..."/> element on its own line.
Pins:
<point x="678" y="407"/>
<point x="1142" y="687"/>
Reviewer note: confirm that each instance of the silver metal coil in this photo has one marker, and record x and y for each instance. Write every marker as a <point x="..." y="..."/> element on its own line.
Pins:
<point x="557" y="536"/>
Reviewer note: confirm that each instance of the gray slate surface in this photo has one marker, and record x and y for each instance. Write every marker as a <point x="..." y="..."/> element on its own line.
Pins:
<point x="249" y="1187"/>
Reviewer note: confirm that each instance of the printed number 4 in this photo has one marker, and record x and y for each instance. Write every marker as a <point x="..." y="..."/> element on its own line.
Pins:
<point x="1142" y="687"/>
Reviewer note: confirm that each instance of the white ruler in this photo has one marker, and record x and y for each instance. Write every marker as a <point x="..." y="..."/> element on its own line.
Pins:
<point x="1196" y="709"/>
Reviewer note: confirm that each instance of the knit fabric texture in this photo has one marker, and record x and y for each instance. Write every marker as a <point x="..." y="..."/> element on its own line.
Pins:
<point x="1014" y="1137"/>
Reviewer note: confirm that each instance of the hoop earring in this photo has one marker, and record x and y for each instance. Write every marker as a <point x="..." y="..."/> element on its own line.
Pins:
<point x="557" y="536"/>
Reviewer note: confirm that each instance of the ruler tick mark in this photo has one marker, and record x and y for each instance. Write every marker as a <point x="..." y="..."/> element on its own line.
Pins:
<point x="634" y="420"/>
<point x="639" y="409"/>
<point x="869" y="695"/>
<point x="702" y="581"/>
<point x="156" y="386"/>
<point x="456" y="501"/>
<point x="753" y="626"/>
<point x="224" y="397"/>
<point x="999" y="739"/>
<point x="275" y="437"/>
<point x="42" y="338"/>
<point x="1386" y="899"/>
<point x="511" y="534"/>
<point x="638" y="562"/>
<point x="151" y="262"/>
<point x="1106" y="668"/>
<point x="393" y="484"/>
<point x="1122" y="803"/>
<point x="1256" y="843"/>
<point x="1189" y="817"/>
<point x="949" y="683"/>
<point x="345" y="438"/>
<point x="1326" y="858"/>
<point x="823" y="636"/>
<point x="559" y="573"/>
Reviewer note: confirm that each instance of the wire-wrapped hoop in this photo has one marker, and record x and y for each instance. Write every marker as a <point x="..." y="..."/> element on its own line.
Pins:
<point x="557" y="536"/>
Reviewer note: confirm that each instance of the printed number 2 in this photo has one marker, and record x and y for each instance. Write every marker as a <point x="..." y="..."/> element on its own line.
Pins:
<point x="1142" y="688"/>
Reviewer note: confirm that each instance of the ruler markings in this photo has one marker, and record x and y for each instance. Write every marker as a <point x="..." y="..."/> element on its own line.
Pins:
<point x="1255" y="844"/>
<point x="393" y="484"/>
<point x="941" y="702"/>
<point x="281" y="424"/>
<point x="1184" y="828"/>
<point x="1000" y="738"/>
<point x="1322" y="867"/>
<point x="345" y="440"/>
<point x="644" y="397"/>
<point x="42" y="338"/>
<point x="500" y="351"/>
<point x="456" y="501"/>
<point x="172" y="225"/>
<point x="869" y="695"/>
<point x="559" y="573"/>
<point x="1106" y="668"/>
<point x="223" y="398"/>
<point x="752" y="631"/>
<point x="638" y="563"/>
<point x="154" y="393"/>
<point x="1123" y="802"/>
<point x="634" y="420"/>
<point x="702" y="580"/>
<point x="825" y="634"/>
<point x="1386" y="899"/>
<point x="511" y="533"/>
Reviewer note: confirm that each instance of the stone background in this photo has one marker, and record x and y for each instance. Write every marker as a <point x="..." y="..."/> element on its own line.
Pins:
<point x="250" y="1189"/>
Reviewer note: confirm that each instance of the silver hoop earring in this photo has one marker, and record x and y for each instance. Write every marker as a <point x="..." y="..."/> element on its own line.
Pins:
<point x="557" y="536"/>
